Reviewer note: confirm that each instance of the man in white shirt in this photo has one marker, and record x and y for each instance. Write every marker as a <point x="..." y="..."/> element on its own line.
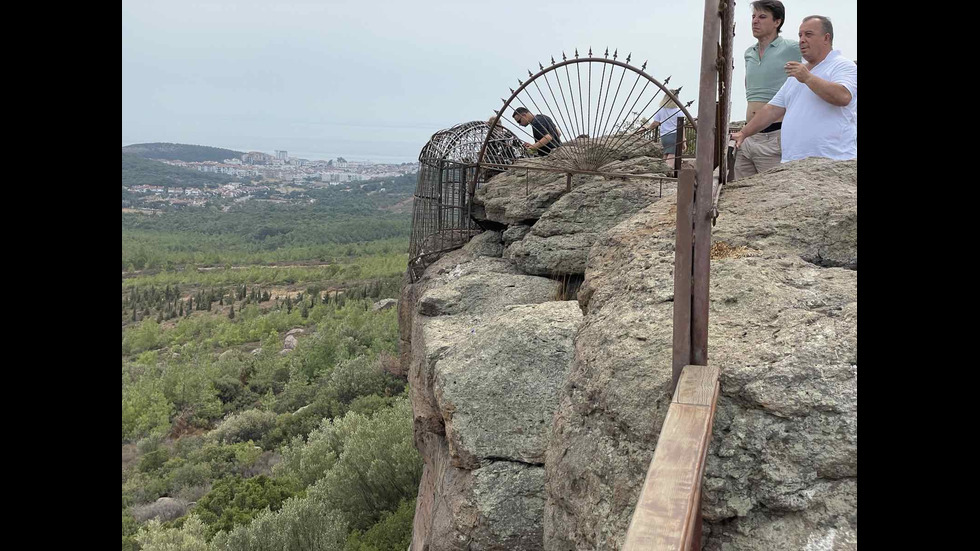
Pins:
<point x="818" y="105"/>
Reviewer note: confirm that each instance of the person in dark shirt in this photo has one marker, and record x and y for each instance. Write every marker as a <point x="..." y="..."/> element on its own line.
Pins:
<point x="546" y="134"/>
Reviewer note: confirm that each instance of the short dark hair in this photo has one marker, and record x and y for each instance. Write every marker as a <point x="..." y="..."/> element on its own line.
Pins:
<point x="826" y="26"/>
<point x="776" y="8"/>
<point x="521" y="111"/>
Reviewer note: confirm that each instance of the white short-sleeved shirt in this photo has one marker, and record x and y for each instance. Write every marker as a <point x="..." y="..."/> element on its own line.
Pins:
<point x="812" y="127"/>
<point x="667" y="117"/>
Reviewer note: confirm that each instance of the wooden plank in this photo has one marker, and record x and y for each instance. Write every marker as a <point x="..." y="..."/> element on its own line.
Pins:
<point x="661" y="520"/>
<point x="683" y="258"/>
<point x="697" y="385"/>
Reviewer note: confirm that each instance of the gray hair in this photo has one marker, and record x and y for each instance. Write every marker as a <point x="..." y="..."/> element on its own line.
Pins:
<point x="826" y="26"/>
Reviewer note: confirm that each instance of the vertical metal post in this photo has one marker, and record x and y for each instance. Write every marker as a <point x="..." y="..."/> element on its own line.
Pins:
<point x="679" y="146"/>
<point x="459" y="213"/>
<point x="707" y="129"/>
<point x="683" y="257"/>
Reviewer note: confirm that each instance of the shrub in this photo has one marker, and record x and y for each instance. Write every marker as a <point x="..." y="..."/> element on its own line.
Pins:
<point x="163" y="509"/>
<point x="189" y="537"/>
<point x="235" y="501"/>
<point x="248" y="425"/>
<point x="302" y="523"/>
<point x="392" y="533"/>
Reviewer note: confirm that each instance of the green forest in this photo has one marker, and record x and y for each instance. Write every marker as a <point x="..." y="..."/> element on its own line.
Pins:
<point x="181" y="152"/>
<point x="263" y="404"/>
<point x="137" y="171"/>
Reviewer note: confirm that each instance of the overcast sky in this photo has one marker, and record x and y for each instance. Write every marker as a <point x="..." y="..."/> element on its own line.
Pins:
<point x="374" y="79"/>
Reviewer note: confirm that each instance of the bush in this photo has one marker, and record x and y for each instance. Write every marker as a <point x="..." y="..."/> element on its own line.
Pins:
<point x="302" y="523"/>
<point x="248" y="425"/>
<point x="190" y="537"/>
<point x="392" y="533"/>
<point x="357" y="377"/>
<point x="235" y="501"/>
<point x="361" y="466"/>
<point x="163" y="509"/>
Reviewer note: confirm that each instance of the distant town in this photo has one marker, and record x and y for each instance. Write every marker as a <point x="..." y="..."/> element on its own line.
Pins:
<point x="276" y="178"/>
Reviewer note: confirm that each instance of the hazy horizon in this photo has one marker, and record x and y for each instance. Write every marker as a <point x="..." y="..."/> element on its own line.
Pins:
<point x="332" y="79"/>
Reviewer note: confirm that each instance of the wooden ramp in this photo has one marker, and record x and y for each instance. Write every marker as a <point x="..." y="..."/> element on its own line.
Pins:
<point x="668" y="511"/>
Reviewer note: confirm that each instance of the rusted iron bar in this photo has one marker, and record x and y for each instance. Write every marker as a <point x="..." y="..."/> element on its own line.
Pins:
<point x="683" y="265"/>
<point x="586" y="172"/>
<point x="679" y="145"/>
<point x="704" y="164"/>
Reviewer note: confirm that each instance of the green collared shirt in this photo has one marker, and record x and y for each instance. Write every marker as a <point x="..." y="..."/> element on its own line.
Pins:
<point x="763" y="78"/>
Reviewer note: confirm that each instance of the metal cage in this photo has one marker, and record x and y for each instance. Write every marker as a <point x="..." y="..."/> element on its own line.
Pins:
<point x="447" y="177"/>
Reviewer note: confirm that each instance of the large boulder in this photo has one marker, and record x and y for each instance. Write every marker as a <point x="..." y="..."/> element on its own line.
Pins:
<point x="498" y="389"/>
<point x="560" y="240"/>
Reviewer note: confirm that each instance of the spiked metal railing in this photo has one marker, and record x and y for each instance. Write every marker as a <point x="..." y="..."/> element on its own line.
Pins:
<point x="600" y="114"/>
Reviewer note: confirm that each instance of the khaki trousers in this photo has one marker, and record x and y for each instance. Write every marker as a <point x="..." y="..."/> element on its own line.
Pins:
<point x="758" y="153"/>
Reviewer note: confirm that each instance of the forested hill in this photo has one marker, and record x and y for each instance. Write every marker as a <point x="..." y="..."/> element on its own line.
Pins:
<point x="181" y="152"/>
<point x="138" y="171"/>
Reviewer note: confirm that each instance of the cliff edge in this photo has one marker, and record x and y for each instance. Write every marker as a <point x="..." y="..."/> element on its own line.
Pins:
<point x="538" y="404"/>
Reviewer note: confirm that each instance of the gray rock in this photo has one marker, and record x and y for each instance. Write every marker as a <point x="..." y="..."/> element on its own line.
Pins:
<point x="384" y="304"/>
<point x="296" y="331"/>
<point x="498" y="389"/>
<point x="487" y="243"/>
<point x="285" y="351"/>
<point x="257" y="351"/>
<point x="290" y="342"/>
<point x="781" y="470"/>
<point x="515" y="233"/>
<point x="560" y="240"/>
<point x="495" y="507"/>
<point x="482" y="293"/>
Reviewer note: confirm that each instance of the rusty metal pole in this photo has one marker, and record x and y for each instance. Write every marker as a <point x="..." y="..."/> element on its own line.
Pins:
<point x="683" y="254"/>
<point x="702" y="193"/>
<point x="679" y="146"/>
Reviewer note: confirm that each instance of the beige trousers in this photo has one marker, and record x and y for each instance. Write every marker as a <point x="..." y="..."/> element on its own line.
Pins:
<point x="758" y="153"/>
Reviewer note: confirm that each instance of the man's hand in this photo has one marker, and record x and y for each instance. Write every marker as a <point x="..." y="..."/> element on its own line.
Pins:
<point x="739" y="138"/>
<point x="797" y="70"/>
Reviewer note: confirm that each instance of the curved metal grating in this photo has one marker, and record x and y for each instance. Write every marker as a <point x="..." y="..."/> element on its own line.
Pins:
<point x="447" y="176"/>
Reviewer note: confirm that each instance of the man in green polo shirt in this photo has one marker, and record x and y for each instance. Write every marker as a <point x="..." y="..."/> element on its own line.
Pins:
<point x="764" y="75"/>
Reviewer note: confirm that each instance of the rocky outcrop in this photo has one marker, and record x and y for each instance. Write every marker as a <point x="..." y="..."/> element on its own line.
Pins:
<point x="537" y="424"/>
<point x="488" y="350"/>
<point x="782" y="467"/>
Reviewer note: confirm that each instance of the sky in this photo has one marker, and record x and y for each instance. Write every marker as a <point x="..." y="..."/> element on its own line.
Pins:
<point x="372" y="80"/>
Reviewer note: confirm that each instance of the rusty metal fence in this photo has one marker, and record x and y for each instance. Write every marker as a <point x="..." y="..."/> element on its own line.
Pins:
<point x="447" y="176"/>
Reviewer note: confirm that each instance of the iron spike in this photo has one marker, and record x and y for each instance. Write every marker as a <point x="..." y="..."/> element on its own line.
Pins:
<point x="519" y="82"/>
<point x="679" y="90"/>
<point x="666" y="82"/>
<point x="511" y="90"/>
<point x="607" y="51"/>
<point x="644" y="68"/>
<point x="563" y="58"/>
<point x="628" y="56"/>
<point x="615" y="53"/>
<point x="502" y="100"/>
<point x="529" y="73"/>
<point x="576" y="53"/>
<point x="688" y="104"/>
<point x="590" y="51"/>
<point x="552" y="60"/>
<point x="540" y="66"/>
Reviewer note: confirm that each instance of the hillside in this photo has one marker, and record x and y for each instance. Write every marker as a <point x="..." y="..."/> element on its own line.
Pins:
<point x="181" y="152"/>
<point x="139" y="171"/>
